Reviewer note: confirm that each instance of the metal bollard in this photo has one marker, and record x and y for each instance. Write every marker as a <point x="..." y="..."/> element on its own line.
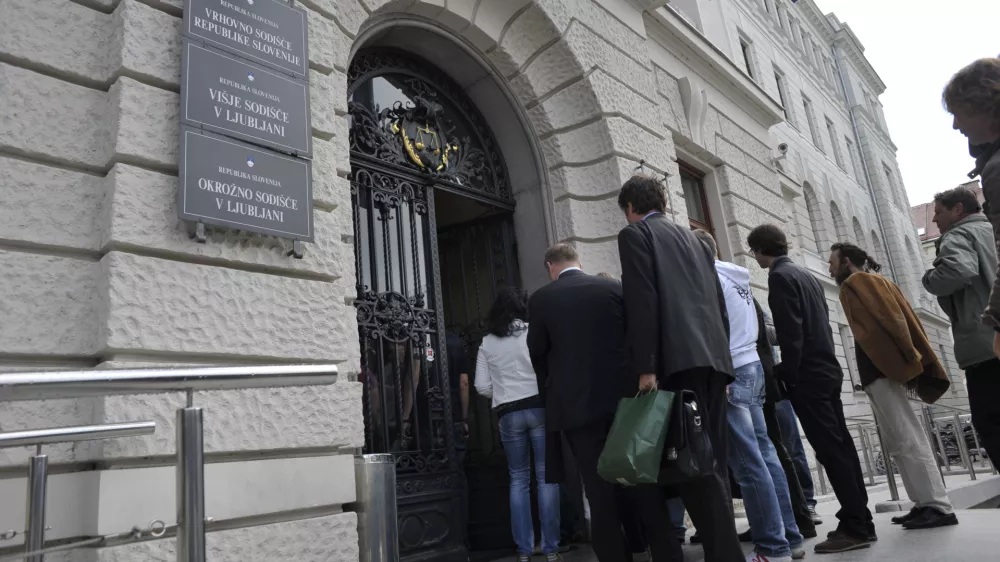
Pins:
<point x="963" y="449"/>
<point x="375" y="481"/>
<point x="190" y="486"/>
<point x="34" y="538"/>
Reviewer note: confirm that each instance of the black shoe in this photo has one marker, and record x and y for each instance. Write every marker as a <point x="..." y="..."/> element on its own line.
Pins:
<point x="842" y="542"/>
<point x="930" y="518"/>
<point x="695" y="538"/>
<point x="913" y="514"/>
<point x="745" y="536"/>
<point x="807" y="532"/>
<point x="817" y="520"/>
<point x="871" y="535"/>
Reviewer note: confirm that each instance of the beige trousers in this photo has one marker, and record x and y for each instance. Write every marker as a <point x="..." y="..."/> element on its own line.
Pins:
<point x="907" y="443"/>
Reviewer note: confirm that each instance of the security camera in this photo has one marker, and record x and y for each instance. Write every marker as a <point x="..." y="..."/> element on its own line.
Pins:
<point x="783" y="148"/>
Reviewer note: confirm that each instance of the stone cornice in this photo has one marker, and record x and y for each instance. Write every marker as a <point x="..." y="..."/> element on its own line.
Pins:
<point x="873" y="125"/>
<point x="849" y="44"/>
<point x="671" y="30"/>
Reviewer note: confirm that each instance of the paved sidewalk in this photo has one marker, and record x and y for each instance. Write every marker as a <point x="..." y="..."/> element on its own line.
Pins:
<point x="975" y="538"/>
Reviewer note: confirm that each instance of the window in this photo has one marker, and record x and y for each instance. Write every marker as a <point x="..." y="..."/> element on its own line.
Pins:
<point x="890" y="183"/>
<point x="818" y="58"/>
<point x="782" y="16"/>
<point x="779" y="79"/>
<point x="811" y="120"/>
<point x="769" y="7"/>
<point x="693" y="183"/>
<point x="852" y="156"/>
<point x="834" y="145"/>
<point x="796" y="31"/>
<point x="746" y="47"/>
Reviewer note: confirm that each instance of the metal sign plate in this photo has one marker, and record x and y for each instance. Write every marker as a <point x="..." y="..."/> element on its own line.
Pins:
<point x="225" y="94"/>
<point x="237" y="185"/>
<point x="270" y="32"/>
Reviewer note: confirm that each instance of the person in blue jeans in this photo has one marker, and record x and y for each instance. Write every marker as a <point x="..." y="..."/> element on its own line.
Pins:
<point x="752" y="456"/>
<point x="504" y="373"/>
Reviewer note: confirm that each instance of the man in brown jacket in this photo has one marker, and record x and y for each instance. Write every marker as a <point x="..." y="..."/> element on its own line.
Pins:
<point x="893" y="354"/>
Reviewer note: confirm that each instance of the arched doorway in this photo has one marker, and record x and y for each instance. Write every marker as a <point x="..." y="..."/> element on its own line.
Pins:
<point x="434" y="240"/>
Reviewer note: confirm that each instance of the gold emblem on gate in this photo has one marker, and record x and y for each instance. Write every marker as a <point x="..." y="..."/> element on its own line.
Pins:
<point x="423" y="136"/>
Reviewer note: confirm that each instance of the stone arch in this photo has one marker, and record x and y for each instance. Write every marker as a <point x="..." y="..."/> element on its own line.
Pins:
<point x="815" y="216"/>
<point x="560" y="79"/>
<point x="839" y="226"/>
<point x="859" y="234"/>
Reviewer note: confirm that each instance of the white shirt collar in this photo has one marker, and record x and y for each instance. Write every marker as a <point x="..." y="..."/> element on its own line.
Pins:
<point x="651" y="214"/>
<point x="569" y="269"/>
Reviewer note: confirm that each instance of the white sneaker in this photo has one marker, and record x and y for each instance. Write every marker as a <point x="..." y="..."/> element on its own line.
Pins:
<point x="754" y="557"/>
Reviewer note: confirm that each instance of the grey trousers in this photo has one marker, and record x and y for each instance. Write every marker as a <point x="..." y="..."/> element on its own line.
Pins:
<point x="907" y="443"/>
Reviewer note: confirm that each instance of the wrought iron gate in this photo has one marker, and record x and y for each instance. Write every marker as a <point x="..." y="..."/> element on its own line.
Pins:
<point x="413" y="133"/>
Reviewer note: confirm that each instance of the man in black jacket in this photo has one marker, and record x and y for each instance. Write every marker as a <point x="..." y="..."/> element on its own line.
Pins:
<point x="576" y="339"/>
<point x="677" y="331"/>
<point x="812" y="377"/>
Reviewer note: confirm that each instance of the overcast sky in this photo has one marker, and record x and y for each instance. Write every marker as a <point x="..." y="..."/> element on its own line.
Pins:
<point x="915" y="47"/>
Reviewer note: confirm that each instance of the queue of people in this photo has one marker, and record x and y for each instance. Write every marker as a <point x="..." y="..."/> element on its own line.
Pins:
<point x="557" y="364"/>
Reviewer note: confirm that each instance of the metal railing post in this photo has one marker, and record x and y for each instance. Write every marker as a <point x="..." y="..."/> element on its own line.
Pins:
<point x="190" y="486"/>
<point x="930" y="440"/>
<point x="979" y="447"/>
<point x="821" y="474"/>
<point x="863" y="435"/>
<point x="890" y="474"/>
<point x="963" y="449"/>
<point x="34" y="535"/>
<point x="940" y="444"/>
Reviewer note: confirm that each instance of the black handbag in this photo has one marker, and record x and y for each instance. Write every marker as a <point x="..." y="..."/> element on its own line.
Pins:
<point x="688" y="453"/>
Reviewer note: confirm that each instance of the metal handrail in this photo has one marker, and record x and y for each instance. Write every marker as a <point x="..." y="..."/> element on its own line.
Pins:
<point x="38" y="437"/>
<point x="76" y="384"/>
<point x="190" y="474"/>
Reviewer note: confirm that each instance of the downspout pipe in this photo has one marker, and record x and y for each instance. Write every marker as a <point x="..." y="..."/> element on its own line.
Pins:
<point x="864" y="164"/>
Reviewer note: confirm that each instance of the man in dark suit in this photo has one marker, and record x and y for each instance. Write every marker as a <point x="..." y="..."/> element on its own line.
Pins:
<point x="576" y="338"/>
<point x="812" y="377"/>
<point x="678" y="335"/>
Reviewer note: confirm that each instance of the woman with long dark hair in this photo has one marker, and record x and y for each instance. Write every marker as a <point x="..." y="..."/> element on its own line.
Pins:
<point x="504" y="373"/>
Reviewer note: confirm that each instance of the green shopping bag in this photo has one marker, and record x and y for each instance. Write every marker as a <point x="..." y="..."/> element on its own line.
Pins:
<point x="634" y="449"/>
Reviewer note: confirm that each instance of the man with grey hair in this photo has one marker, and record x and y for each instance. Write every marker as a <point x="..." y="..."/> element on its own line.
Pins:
<point x="576" y="339"/>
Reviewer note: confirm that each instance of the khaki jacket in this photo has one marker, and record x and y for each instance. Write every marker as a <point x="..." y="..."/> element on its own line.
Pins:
<point x="890" y="333"/>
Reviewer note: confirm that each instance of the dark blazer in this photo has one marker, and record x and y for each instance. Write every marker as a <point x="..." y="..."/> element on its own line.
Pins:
<point x="674" y="306"/>
<point x="802" y="322"/>
<point x="576" y="339"/>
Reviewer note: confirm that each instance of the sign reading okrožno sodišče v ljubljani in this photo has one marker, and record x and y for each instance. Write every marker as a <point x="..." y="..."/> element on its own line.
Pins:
<point x="227" y="95"/>
<point x="244" y="75"/>
<point x="268" y="32"/>
<point x="229" y="183"/>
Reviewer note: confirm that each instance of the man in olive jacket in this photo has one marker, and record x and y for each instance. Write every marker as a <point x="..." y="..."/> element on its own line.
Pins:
<point x="963" y="274"/>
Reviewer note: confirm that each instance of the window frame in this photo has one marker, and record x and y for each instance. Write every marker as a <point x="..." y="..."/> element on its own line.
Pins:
<point x="749" y="58"/>
<point x="687" y="170"/>
<point x="807" y="107"/>
<point x="831" y="130"/>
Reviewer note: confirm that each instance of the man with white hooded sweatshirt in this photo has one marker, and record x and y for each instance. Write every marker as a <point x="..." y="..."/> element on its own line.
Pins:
<point x="752" y="456"/>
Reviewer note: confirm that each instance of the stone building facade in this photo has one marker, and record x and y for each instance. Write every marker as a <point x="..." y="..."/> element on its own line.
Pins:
<point x="566" y="100"/>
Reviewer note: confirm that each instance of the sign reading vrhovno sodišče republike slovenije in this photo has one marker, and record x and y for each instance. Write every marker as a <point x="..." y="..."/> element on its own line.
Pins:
<point x="228" y="95"/>
<point x="270" y="32"/>
<point x="234" y="184"/>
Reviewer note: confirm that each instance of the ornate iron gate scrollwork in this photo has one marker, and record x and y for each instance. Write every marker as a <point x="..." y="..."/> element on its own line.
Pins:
<point x="413" y="132"/>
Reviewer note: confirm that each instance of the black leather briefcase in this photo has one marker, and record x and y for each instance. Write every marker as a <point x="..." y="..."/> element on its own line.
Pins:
<point x="688" y="453"/>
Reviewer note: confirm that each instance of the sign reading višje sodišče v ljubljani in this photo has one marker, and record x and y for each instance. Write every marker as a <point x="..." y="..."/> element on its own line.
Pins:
<point x="225" y="94"/>
<point x="269" y="32"/>
<point x="244" y="77"/>
<point x="230" y="183"/>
